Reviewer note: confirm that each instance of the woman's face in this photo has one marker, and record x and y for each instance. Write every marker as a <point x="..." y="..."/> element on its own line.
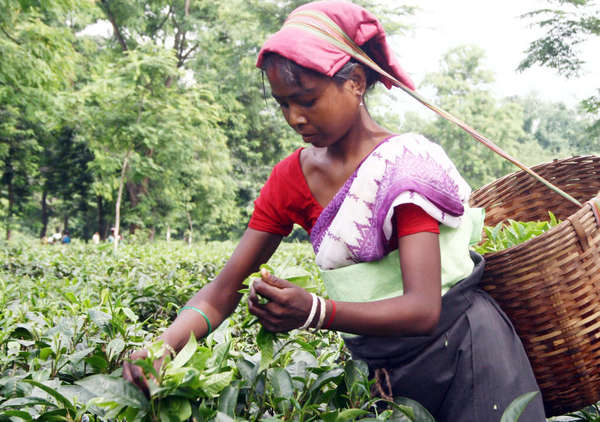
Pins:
<point x="319" y="109"/>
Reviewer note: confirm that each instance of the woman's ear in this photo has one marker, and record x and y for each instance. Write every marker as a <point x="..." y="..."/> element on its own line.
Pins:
<point x="358" y="81"/>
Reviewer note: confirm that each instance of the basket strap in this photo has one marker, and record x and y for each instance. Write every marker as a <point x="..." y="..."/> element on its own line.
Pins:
<point x="596" y="210"/>
<point x="322" y="26"/>
<point x="580" y="231"/>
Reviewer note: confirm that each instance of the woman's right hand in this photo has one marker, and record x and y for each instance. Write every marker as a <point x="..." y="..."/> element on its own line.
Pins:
<point x="134" y="374"/>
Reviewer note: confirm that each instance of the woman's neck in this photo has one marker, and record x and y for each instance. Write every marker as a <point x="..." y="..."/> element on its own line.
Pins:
<point x="360" y="140"/>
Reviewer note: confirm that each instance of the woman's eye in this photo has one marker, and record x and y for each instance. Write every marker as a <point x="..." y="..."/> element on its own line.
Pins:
<point x="309" y="103"/>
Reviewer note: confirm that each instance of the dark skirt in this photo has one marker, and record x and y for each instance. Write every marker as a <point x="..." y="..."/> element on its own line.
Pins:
<point x="470" y="369"/>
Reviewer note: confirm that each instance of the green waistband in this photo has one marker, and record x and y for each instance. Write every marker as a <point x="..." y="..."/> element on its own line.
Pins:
<point x="382" y="279"/>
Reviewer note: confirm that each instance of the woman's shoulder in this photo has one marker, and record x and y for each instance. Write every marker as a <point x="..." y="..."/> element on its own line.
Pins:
<point x="411" y="139"/>
<point x="413" y="144"/>
<point x="290" y="164"/>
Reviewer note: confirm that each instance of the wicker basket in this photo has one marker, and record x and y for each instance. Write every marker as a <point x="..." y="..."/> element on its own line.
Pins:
<point x="550" y="285"/>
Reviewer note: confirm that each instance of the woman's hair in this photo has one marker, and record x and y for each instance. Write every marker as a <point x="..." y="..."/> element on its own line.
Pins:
<point x="290" y="71"/>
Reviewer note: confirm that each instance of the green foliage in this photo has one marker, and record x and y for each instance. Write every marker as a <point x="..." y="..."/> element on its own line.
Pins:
<point x="517" y="406"/>
<point x="566" y="26"/>
<point x="462" y="88"/>
<point x="512" y="233"/>
<point x="71" y="315"/>
<point x="76" y="312"/>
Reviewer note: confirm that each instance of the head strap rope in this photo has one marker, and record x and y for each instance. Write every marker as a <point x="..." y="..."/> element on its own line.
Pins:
<point x="320" y="25"/>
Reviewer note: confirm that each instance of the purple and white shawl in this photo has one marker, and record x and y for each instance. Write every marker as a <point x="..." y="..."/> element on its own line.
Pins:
<point x="357" y="224"/>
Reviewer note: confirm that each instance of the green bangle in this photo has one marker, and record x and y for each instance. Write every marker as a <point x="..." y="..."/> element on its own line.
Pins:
<point x="183" y="308"/>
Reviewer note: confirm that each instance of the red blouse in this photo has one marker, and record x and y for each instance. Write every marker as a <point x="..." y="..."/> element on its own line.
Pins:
<point x="286" y="199"/>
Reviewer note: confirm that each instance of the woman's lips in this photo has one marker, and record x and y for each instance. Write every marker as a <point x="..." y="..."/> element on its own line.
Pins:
<point x="309" y="138"/>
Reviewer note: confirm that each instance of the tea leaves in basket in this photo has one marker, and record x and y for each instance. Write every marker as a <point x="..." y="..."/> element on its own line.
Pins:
<point x="506" y="235"/>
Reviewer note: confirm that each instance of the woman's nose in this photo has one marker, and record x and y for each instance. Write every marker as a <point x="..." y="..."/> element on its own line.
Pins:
<point x="296" y="117"/>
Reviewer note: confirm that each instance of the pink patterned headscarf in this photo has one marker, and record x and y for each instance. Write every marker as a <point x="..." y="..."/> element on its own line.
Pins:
<point x="310" y="51"/>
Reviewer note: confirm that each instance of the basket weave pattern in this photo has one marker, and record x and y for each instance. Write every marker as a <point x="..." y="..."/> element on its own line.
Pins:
<point x="549" y="286"/>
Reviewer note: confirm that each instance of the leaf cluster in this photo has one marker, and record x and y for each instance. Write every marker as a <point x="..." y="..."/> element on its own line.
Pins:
<point x="512" y="233"/>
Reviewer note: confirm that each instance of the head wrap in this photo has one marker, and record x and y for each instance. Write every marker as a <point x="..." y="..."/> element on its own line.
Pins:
<point x="297" y="42"/>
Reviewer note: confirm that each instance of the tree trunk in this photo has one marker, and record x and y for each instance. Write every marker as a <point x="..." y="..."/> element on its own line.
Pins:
<point x="100" y="206"/>
<point x="11" y="200"/>
<point x="118" y="204"/>
<point x="152" y="234"/>
<point x="65" y="223"/>
<point x="191" y="224"/>
<point x="44" y="214"/>
<point x="168" y="233"/>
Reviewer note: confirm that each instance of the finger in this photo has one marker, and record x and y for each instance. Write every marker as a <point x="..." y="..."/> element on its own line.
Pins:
<point x="134" y="375"/>
<point x="269" y="278"/>
<point x="270" y="292"/>
<point x="127" y="372"/>
<point x="255" y="298"/>
<point x="139" y="379"/>
<point x="255" y="308"/>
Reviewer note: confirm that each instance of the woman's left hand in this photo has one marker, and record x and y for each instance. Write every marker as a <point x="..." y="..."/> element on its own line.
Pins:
<point x="288" y="305"/>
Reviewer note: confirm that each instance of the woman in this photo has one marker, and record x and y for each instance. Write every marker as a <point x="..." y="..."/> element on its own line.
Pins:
<point x="389" y="222"/>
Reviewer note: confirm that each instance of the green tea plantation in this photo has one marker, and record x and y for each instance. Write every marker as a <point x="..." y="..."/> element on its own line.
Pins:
<point x="70" y="315"/>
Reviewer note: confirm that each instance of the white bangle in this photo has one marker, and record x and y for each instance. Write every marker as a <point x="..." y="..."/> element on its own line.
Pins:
<point x="321" y="314"/>
<point x="311" y="314"/>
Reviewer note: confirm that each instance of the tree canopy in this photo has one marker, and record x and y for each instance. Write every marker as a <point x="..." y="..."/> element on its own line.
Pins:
<point x="151" y="115"/>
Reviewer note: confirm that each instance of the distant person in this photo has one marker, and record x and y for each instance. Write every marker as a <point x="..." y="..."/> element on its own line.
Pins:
<point x="111" y="237"/>
<point x="96" y="238"/>
<point x="66" y="238"/>
<point x="55" y="238"/>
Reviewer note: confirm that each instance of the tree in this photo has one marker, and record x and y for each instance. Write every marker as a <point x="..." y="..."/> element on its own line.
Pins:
<point x="561" y="131"/>
<point x="567" y="26"/>
<point x="37" y="65"/>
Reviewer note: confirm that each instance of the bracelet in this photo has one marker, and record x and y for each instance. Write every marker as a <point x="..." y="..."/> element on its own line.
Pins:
<point x="169" y="349"/>
<point x="330" y="320"/>
<point x="321" y="314"/>
<point x="311" y="314"/>
<point x="193" y="308"/>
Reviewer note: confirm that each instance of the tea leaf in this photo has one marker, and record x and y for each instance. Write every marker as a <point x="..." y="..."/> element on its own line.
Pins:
<point x="184" y="354"/>
<point x="175" y="409"/>
<point x="59" y="397"/>
<point x="265" y="340"/>
<point x="517" y="406"/>
<point x="228" y="400"/>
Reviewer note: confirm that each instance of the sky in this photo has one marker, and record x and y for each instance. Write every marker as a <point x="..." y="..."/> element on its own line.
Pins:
<point x="495" y="26"/>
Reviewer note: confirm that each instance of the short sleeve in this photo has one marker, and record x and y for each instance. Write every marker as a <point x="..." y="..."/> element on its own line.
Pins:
<point x="411" y="219"/>
<point x="269" y="208"/>
<point x="285" y="200"/>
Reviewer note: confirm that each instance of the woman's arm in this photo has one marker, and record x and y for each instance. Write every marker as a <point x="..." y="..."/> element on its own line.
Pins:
<point x="217" y="299"/>
<point x="414" y="313"/>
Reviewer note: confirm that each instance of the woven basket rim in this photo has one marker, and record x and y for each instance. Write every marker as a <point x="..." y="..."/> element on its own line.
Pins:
<point x="536" y="167"/>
